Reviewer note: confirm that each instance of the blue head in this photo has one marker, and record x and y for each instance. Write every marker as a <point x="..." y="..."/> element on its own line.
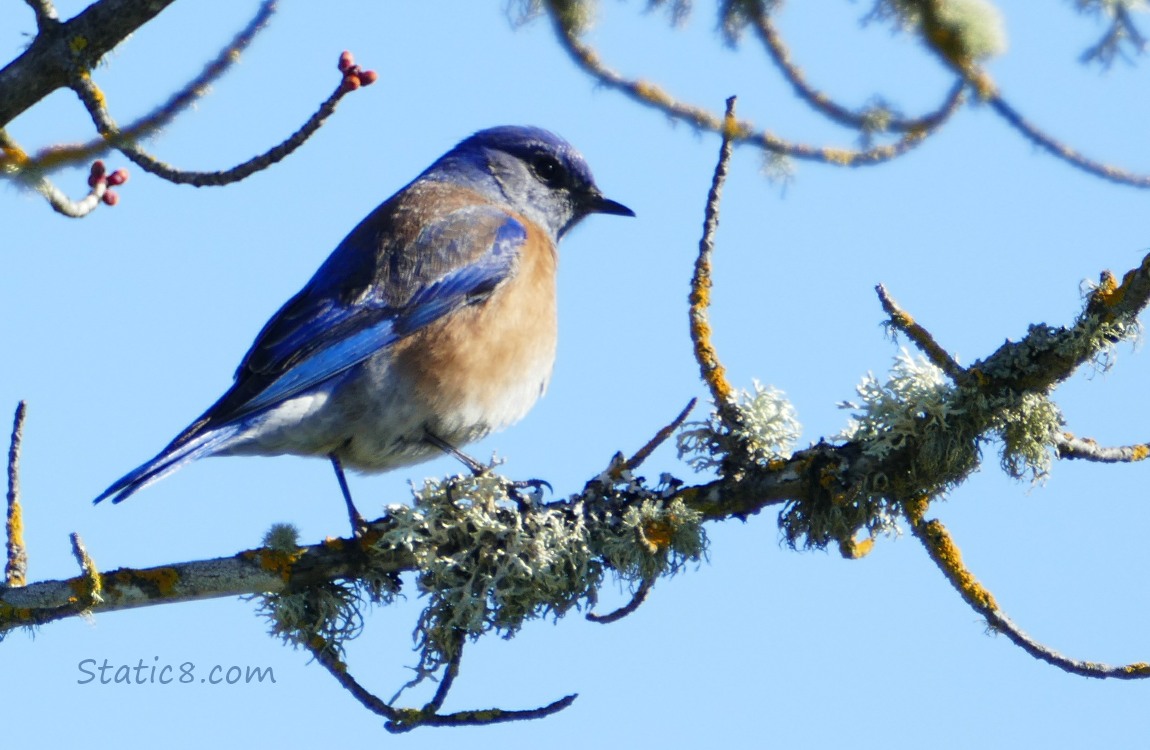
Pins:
<point x="534" y="171"/>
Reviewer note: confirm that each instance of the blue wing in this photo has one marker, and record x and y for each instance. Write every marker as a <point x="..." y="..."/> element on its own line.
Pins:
<point x="374" y="290"/>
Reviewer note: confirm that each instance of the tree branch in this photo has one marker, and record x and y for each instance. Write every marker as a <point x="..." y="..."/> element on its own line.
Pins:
<point x="60" y="50"/>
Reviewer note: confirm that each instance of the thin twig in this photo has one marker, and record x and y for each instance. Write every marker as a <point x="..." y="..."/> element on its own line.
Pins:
<point x="52" y="59"/>
<point x="1064" y="152"/>
<point x="225" y="177"/>
<point x="650" y="95"/>
<point x="450" y="672"/>
<point x="45" y="12"/>
<point x="1122" y="28"/>
<point x="660" y="437"/>
<point x="902" y="320"/>
<point x="637" y="600"/>
<point x="1069" y="446"/>
<point x="16" y="570"/>
<point x="712" y="370"/>
<point x="401" y="720"/>
<point x="872" y="119"/>
<point x="945" y="554"/>
<point x="93" y="587"/>
<point x="111" y="135"/>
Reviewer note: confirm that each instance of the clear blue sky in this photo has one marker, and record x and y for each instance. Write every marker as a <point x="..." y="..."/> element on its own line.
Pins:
<point x="120" y="328"/>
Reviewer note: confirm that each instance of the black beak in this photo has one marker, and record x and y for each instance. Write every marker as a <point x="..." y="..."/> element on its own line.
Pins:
<point x="597" y="204"/>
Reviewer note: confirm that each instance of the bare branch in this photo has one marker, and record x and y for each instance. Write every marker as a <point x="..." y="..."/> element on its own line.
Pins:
<point x="1069" y="446"/>
<point x="16" y="569"/>
<point x="1052" y="146"/>
<point x="867" y="121"/>
<point x="903" y="321"/>
<point x="401" y="720"/>
<point x="637" y="600"/>
<point x="650" y="95"/>
<point x="712" y="371"/>
<point x="255" y="571"/>
<point x="61" y="50"/>
<point x="659" y="438"/>
<point x="945" y="554"/>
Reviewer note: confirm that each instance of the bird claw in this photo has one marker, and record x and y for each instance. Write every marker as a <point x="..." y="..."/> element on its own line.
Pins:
<point x="523" y="500"/>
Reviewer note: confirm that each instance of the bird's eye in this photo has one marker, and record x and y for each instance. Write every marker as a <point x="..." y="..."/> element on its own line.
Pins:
<point x="549" y="171"/>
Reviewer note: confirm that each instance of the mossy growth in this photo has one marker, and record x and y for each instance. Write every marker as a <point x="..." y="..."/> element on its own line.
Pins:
<point x="764" y="429"/>
<point x="488" y="559"/>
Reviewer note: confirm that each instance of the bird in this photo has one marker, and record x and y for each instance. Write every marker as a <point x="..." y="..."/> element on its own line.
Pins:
<point x="432" y="324"/>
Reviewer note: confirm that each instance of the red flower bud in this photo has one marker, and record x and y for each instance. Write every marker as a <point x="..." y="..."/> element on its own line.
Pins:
<point x="96" y="175"/>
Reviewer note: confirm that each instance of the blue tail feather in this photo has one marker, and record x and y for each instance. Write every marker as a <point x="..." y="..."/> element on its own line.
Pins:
<point x="168" y="461"/>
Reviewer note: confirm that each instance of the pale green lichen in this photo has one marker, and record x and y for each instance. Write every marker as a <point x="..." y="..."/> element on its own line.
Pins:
<point x="939" y="428"/>
<point x="972" y="29"/>
<point x="575" y="16"/>
<point x="736" y="15"/>
<point x="1027" y="430"/>
<point x="1110" y="8"/>
<point x="487" y="563"/>
<point x="651" y="538"/>
<point x="282" y="537"/>
<point x="489" y="559"/>
<point x="329" y="613"/>
<point x="765" y="429"/>
<point x="332" y="611"/>
<point x="916" y="394"/>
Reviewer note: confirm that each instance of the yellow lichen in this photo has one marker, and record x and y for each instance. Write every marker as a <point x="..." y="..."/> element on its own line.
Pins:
<point x="854" y="550"/>
<point x="17" y="558"/>
<point x="279" y="562"/>
<point x="839" y="156"/>
<point x="948" y="557"/>
<point x="1140" y="452"/>
<point x="656" y="534"/>
<point x="161" y="580"/>
<point x="653" y="93"/>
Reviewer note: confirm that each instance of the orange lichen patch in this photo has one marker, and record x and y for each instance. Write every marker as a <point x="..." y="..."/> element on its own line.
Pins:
<point x="828" y="477"/>
<point x="854" y="550"/>
<point x="369" y="538"/>
<point x="713" y="371"/>
<point x="14" y="157"/>
<point x="1139" y="668"/>
<point x="947" y="556"/>
<point x="1140" y="452"/>
<point x="16" y="615"/>
<point x="1109" y="292"/>
<point x="983" y="84"/>
<point x="653" y="93"/>
<point x="17" y="555"/>
<point x="840" y="156"/>
<point x="334" y="543"/>
<point x="915" y="508"/>
<point x="656" y="535"/>
<point x="279" y="562"/>
<point x="733" y="130"/>
<point x="160" y="580"/>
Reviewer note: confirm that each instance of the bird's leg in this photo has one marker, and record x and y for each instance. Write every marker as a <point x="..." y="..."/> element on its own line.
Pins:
<point x="358" y="525"/>
<point x="474" y="466"/>
<point x="478" y="469"/>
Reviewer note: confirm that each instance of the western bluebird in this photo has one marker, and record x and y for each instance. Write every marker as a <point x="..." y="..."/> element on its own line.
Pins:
<point x="432" y="324"/>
